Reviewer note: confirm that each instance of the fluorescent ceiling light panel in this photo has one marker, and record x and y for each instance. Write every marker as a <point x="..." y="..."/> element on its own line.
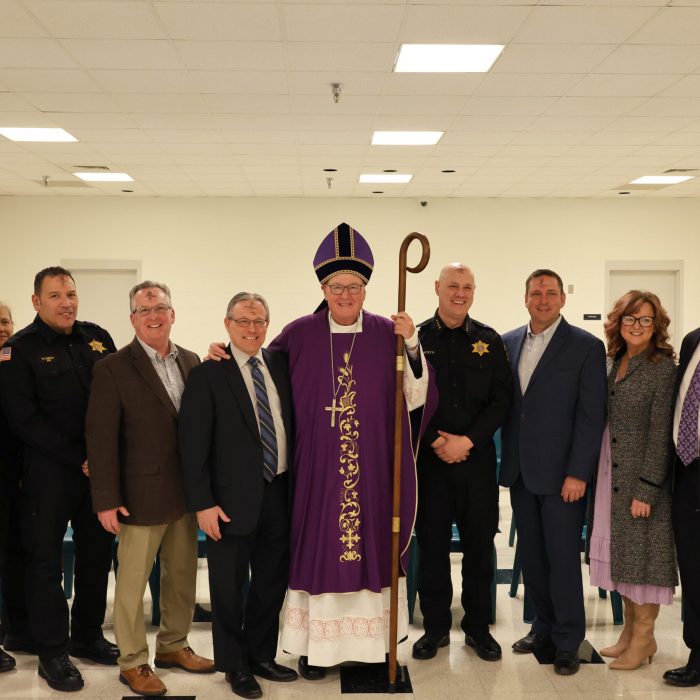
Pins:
<point x="38" y="135"/>
<point x="406" y="138"/>
<point x="446" y="58"/>
<point x="104" y="177"/>
<point x="661" y="179"/>
<point x="385" y="178"/>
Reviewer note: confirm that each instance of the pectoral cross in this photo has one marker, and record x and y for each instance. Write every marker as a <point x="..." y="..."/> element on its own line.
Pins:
<point x="334" y="409"/>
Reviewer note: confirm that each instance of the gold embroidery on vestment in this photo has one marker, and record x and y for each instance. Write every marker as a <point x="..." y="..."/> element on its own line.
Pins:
<point x="349" y="426"/>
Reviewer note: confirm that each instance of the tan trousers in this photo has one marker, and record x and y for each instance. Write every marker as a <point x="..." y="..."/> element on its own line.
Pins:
<point x="138" y="545"/>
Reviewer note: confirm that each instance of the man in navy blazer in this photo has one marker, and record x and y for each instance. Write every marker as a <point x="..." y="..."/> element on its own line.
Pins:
<point x="551" y="443"/>
<point x="236" y="432"/>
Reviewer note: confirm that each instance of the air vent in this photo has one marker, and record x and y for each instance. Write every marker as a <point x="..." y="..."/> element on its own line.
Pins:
<point x="90" y="167"/>
<point x="680" y="170"/>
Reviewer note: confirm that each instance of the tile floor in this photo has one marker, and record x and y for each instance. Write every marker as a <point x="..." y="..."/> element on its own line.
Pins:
<point x="455" y="674"/>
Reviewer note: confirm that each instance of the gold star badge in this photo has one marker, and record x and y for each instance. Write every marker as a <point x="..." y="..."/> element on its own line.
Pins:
<point x="97" y="346"/>
<point x="480" y="347"/>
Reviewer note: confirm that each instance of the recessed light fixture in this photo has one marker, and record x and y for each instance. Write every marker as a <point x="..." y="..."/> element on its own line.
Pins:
<point x="37" y="135"/>
<point x="660" y="179"/>
<point x="104" y="177"/>
<point x="446" y="58"/>
<point x="406" y="138"/>
<point x="385" y="178"/>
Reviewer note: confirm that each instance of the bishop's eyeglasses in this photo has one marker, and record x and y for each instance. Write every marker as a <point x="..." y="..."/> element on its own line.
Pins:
<point x="338" y="289"/>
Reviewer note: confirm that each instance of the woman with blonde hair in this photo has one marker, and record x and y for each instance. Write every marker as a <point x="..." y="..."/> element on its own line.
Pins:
<point x="631" y="546"/>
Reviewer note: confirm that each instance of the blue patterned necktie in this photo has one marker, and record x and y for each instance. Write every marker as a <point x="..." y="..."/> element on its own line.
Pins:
<point x="688" y="427"/>
<point x="267" y="425"/>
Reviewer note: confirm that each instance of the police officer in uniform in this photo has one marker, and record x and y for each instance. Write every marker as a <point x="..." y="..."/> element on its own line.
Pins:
<point x="457" y="466"/>
<point x="45" y="381"/>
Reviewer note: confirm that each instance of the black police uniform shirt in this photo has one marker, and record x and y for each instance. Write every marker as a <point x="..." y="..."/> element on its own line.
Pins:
<point x="45" y="385"/>
<point x="473" y="377"/>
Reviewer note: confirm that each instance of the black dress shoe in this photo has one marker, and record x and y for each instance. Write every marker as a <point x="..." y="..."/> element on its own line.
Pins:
<point x="487" y="648"/>
<point x="60" y="674"/>
<point x="311" y="673"/>
<point x="100" y="651"/>
<point x="16" y="642"/>
<point x="426" y="647"/>
<point x="244" y="684"/>
<point x="272" y="671"/>
<point x="566" y="663"/>
<point x="531" y="643"/>
<point x="7" y="663"/>
<point x="683" y="676"/>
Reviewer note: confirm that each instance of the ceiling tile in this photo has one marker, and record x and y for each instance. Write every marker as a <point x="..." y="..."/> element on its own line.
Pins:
<point x="519" y="85"/>
<point x="220" y="21"/>
<point x="631" y="85"/>
<point x="319" y="83"/>
<point x="458" y="84"/>
<point x="595" y="106"/>
<point x="507" y="105"/>
<point x="668" y="107"/>
<point x="48" y="80"/>
<point x="71" y="102"/>
<point x="33" y="53"/>
<point x="651" y="59"/>
<point x="582" y="25"/>
<point x="305" y="56"/>
<point x="165" y="103"/>
<point x="240" y="82"/>
<point x="461" y="24"/>
<point x="671" y="25"/>
<point x="539" y="58"/>
<point x="97" y="19"/>
<point x="144" y="81"/>
<point x="355" y="22"/>
<point x="231" y="55"/>
<point x="15" y="21"/>
<point x="113" y="53"/>
<point x="418" y="105"/>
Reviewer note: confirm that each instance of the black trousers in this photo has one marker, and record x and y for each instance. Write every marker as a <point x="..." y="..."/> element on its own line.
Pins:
<point x="549" y="536"/>
<point x="247" y="633"/>
<point x="686" y="525"/>
<point x="12" y="562"/>
<point x="465" y="493"/>
<point x="53" y="496"/>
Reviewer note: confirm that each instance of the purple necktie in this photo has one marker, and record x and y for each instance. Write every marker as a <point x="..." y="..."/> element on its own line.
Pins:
<point x="688" y="428"/>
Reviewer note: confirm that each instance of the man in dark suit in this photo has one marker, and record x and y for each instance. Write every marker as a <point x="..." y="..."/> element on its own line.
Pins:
<point x="550" y="448"/>
<point x="686" y="505"/>
<point x="45" y="382"/>
<point x="137" y="488"/>
<point x="236" y="444"/>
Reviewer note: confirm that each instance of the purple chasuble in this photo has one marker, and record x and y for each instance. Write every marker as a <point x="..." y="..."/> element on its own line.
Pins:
<point x="341" y="517"/>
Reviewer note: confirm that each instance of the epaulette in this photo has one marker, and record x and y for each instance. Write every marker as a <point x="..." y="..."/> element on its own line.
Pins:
<point x="482" y="326"/>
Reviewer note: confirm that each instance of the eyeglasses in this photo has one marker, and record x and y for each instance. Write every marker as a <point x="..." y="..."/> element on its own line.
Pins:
<point x="644" y="321"/>
<point x="340" y="288"/>
<point x="146" y="310"/>
<point x="245" y="322"/>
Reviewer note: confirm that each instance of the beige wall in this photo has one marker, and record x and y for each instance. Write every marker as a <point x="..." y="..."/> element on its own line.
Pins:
<point x="208" y="249"/>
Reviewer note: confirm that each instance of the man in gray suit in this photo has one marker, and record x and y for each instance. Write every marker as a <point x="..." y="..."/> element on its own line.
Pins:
<point x="550" y="448"/>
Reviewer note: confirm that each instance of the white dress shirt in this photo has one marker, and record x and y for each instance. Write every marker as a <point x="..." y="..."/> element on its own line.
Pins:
<point x="533" y="348"/>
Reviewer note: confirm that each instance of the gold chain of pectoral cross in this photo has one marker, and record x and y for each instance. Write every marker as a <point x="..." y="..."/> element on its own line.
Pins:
<point x="334" y="408"/>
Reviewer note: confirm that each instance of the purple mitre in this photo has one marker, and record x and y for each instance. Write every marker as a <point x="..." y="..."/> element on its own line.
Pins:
<point x="343" y="250"/>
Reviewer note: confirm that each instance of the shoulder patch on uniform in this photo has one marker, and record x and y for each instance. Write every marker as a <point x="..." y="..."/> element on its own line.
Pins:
<point x="5" y="354"/>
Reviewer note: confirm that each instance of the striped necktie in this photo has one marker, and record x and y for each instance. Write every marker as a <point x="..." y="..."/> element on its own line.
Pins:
<point x="267" y="425"/>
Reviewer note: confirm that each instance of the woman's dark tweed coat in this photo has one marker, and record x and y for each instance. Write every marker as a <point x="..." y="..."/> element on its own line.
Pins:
<point x="640" y="414"/>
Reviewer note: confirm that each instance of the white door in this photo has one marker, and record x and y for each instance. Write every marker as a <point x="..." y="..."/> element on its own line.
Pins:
<point x="103" y="294"/>
<point x="662" y="278"/>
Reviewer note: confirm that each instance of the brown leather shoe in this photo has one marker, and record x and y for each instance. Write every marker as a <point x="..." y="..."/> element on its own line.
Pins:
<point x="185" y="659"/>
<point x="143" y="681"/>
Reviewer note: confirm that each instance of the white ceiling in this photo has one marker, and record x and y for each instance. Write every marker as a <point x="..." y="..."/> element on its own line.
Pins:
<point x="233" y="98"/>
